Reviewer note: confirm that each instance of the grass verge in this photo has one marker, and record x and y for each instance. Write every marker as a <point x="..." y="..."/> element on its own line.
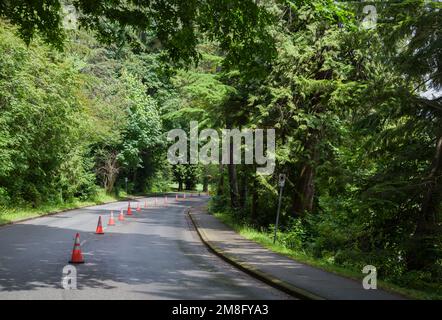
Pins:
<point x="266" y="240"/>
<point x="9" y="215"/>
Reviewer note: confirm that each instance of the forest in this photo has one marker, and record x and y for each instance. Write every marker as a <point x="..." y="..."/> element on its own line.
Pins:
<point x="90" y="89"/>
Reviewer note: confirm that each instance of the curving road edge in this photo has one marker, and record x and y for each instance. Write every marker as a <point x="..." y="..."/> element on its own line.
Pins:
<point x="265" y="277"/>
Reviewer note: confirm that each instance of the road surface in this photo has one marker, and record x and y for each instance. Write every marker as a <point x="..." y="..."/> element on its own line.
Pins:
<point x="155" y="254"/>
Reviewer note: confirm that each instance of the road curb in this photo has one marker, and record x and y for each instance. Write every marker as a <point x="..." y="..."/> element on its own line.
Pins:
<point x="264" y="277"/>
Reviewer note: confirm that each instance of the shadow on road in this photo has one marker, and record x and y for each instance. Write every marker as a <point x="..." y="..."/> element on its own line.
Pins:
<point x="152" y="253"/>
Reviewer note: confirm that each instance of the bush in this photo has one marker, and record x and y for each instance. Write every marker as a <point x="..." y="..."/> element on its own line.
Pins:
<point x="293" y="235"/>
<point x="5" y="200"/>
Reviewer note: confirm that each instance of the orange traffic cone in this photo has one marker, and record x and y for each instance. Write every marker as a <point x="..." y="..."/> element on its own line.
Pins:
<point x="138" y="207"/>
<point x="129" y="210"/>
<point x="111" y="221"/>
<point x="77" y="256"/>
<point x="99" y="227"/>
<point x="121" y="216"/>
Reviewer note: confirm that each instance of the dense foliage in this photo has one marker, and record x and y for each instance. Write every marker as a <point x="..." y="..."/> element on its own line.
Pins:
<point x="356" y="109"/>
<point x="66" y="116"/>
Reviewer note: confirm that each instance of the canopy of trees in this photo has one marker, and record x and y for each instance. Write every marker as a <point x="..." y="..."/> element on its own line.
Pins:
<point x="357" y="112"/>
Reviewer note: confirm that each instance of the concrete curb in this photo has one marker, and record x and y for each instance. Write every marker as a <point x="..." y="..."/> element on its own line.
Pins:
<point x="264" y="277"/>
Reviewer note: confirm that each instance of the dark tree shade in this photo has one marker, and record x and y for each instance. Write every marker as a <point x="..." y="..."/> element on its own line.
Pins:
<point x="177" y="24"/>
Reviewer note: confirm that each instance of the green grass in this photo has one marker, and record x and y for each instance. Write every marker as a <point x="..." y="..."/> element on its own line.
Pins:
<point x="266" y="240"/>
<point x="8" y="215"/>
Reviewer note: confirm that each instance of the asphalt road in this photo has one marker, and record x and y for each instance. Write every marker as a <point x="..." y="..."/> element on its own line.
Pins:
<point x="155" y="254"/>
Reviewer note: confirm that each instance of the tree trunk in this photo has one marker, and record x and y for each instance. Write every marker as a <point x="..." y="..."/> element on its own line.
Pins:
<point x="109" y="171"/>
<point x="432" y="198"/>
<point x="135" y="182"/>
<point x="254" y="212"/>
<point x="220" y="190"/>
<point x="243" y="190"/>
<point x="233" y="181"/>
<point x="304" y="187"/>
<point x="422" y="252"/>
<point x="206" y="180"/>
